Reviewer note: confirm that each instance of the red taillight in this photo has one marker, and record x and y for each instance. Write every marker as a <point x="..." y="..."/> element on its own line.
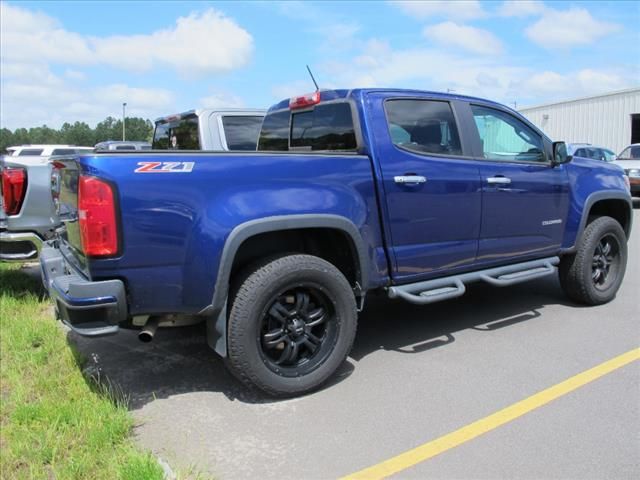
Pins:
<point x="304" y="101"/>
<point x="97" y="217"/>
<point x="14" y="188"/>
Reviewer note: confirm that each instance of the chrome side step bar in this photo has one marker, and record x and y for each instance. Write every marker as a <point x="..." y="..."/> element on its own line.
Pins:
<point x="438" y="289"/>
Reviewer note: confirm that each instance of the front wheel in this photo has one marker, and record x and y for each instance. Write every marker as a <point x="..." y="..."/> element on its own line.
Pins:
<point x="593" y="274"/>
<point x="291" y="325"/>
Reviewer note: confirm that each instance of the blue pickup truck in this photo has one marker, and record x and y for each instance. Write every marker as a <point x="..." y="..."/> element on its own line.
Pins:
<point x="412" y="193"/>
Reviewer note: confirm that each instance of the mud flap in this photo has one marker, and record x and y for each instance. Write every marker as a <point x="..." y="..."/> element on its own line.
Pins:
<point x="217" y="331"/>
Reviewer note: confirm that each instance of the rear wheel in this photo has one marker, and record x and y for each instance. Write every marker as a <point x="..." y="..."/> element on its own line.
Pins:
<point x="593" y="274"/>
<point x="291" y="325"/>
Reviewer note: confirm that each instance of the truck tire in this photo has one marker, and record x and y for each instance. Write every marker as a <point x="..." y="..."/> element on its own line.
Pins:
<point x="593" y="274"/>
<point x="291" y="325"/>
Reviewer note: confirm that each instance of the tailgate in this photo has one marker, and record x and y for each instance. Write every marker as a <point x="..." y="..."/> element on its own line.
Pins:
<point x="64" y="189"/>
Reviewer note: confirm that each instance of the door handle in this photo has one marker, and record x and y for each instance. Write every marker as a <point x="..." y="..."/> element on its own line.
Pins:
<point x="498" y="180"/>
<point x="409" y="179"/>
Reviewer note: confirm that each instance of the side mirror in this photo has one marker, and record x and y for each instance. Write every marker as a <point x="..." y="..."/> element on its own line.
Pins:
<point x="560" y="154"/>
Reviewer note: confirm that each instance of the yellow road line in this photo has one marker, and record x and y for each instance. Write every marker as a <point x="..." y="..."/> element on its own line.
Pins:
<point x="486" y="424"/>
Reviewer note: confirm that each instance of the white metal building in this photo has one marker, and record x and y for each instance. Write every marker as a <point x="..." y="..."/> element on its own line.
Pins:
<point x="610" y="120"/>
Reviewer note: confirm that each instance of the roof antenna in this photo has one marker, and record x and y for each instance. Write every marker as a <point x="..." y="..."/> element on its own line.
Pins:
<point x="312" y="78"/>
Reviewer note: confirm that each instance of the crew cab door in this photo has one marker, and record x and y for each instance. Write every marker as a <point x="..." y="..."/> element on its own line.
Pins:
<point x="525" y="199"/>
<point x="431" y="185"/>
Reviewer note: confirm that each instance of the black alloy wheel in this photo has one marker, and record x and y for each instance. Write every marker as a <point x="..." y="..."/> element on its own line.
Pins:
<point x="297" y="331"/>
<point x="593" y="273"/>
<point x="606" y="262"/>
<point x="291" y="324"/>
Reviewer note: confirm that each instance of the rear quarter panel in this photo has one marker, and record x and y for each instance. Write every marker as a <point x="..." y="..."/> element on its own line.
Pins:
<point x="174" y="225"/>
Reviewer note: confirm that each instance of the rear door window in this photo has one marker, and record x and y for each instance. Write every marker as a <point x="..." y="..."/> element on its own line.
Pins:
<point x="179" y="134"/>
<point x="63" y="151"/>
<point x="241" y="133"/>
<point x="274" y="135"/>
<point x="581" y="152"/>
<point x="423" y="126"/>
<point x="125" y="147"/>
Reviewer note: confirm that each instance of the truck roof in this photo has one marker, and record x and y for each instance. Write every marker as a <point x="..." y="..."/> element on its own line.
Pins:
<point x="327" y="95"/>
<point x="200" y="111"/>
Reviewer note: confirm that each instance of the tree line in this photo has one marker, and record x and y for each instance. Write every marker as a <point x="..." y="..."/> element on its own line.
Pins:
<point x="78" y="133"/>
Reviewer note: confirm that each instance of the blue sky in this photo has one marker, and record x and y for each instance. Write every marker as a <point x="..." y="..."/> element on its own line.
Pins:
<point x="67" y="61"/>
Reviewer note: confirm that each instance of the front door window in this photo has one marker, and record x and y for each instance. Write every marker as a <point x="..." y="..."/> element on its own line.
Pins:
<point x="505" y="138"/>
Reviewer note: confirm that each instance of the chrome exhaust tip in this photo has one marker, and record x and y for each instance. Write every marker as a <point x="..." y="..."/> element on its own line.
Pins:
<point x="148" y="331"/>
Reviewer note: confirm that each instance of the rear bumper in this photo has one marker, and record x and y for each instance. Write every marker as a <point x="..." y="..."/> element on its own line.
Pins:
<point x="19" y="246"/>
<point x="89" y="308"/>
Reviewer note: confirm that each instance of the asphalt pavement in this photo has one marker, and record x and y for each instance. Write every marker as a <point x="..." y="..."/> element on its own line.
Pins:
<point x="414" y="375"/>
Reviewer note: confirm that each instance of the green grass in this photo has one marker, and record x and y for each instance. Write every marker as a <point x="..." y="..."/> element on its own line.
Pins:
<point x="54" y="422"/>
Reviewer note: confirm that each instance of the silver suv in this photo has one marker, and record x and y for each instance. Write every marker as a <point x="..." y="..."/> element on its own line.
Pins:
<point x="586" y="150"/>
<point x="122" y="145"/>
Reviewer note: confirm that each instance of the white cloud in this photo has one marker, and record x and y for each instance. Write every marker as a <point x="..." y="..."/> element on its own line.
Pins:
<point x="468" y="38"/>
<point x="200" y="43"/>
<point x="292" y="89"/>
<point x="28" y="36"/>
<point x="136" y="98"/>
<point x="35" y="45"/>
<point x="221" y="100"/>
<point x="593" y="81"/>
<point x="75" y="75"/>
<point x="459" y="10"/>
<point x="32" y="95"/>
<point x="380" y="65"/>
<point x="548" y="86"/>
<point x="546" y="83"/>
<point x="522" y="8"/>
<point x="338" y="37"/>
<point x="568" y="28"/>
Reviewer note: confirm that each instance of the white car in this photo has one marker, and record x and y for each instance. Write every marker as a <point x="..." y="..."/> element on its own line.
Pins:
<point x="45" y="150"/>
<point x="629" y="160"/>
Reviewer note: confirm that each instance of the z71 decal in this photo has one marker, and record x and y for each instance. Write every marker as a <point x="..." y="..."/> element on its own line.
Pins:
<point x="164" y="167"/>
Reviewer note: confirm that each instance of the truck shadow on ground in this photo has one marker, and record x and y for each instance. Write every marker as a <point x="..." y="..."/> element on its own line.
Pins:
<point x="179" y="361"/>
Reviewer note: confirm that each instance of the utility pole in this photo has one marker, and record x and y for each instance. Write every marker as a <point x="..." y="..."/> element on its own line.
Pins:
<point x="123" y="117"/>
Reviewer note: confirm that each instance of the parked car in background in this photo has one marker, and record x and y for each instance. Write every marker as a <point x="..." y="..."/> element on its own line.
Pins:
<point x="27" y="212"/>
<point x="629" y="160"/>
<point x="209" y="129"/>
<point x="122" y="145"/>
<point x="45" y="150"/>
<point x="586" y="150"/>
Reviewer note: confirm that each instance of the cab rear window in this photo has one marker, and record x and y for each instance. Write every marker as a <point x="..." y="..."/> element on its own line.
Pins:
<point x="241" y="132"/>
<point x="275" y="132"/>
<point x="179" y="134"/>
<point x="327" y="127"/>
<point x="30" y="152"/>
